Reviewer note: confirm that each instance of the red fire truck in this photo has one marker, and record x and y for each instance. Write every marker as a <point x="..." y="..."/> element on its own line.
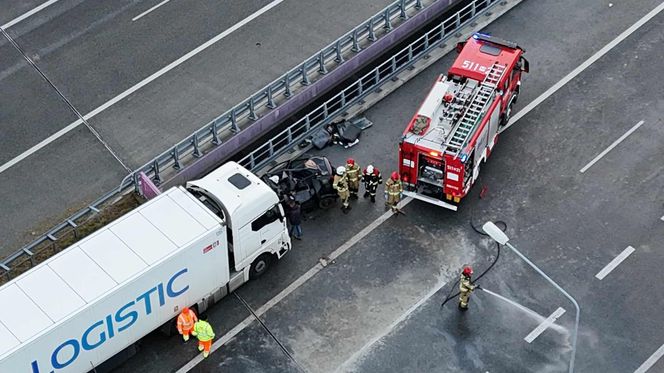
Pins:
<point x="456" y="127"/>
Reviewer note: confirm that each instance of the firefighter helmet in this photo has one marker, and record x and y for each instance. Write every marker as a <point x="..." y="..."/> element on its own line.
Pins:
<point x="350" y="161"/>
<point x="341" y="170"/>
<point x="395" y="176"/>
<point x="370" y="169"/>
<point x="467" y="271"/>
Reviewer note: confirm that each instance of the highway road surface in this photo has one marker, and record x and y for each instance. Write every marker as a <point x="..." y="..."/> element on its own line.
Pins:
<point x="579" y="182"/>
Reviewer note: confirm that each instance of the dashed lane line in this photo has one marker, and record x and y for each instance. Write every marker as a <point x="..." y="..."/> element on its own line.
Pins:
<point x="149" y="10"/>
<point x="544" y="325"/>
<point x="615" y="143"/>
<point x="651" y="360"/>
<point x="27" y="14"/>
<point x="293" y="286"/>
<point x="614" y="263"/>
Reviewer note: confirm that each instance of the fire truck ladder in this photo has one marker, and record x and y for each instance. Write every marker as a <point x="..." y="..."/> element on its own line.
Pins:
<point x="464" y="127"/>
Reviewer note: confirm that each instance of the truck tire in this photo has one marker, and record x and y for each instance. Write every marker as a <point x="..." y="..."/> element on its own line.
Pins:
<point x="260" y="265"/>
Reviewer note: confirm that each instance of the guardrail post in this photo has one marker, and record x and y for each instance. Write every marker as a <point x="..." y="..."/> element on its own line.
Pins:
<point x="388" y="21"/>
<point x="339" y="58"/>
<point x="305" y="76"/>
<point x="215" y="135"/>
<point x="426" y="41"/>
<point x="252" y="109"/>
<point x="321" y="63"/>
<point x="457" y="20"/>
<point x="307" y="122"/>
<point x="473" y="9"/>
<point x="326" y="111"/>
<point x="372" y="33"/>
<point x="360" y="88"/>
<point x="356" y="44"/>
<point x="287" y="89"/>
<point x="418" y="4"/>
<point x="402" y="8"/>
<point x="270" y="98"/>
<point x="290" y="135"/>
<point x="197" y="149"/>
<point x="343" y="98"/>
<point x="176" y="158"/>
<point x="155" y="167"/>
<point x="234" y="127"/>
<point x="410" y="53"/>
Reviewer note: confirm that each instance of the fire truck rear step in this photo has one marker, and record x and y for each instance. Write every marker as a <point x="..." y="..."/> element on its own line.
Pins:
<point x="430" y="200"/>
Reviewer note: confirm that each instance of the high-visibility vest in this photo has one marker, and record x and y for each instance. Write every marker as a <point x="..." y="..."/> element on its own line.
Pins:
<point x="186" y="320"/>
<point x="203" y="330"/>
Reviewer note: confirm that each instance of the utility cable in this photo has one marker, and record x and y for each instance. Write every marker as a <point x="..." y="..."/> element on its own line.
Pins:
<point x="64" y="99"/>
<point x="274" y="337"/>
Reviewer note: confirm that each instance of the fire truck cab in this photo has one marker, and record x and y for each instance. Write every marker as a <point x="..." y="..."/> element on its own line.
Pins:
<point x="456" y="127"/>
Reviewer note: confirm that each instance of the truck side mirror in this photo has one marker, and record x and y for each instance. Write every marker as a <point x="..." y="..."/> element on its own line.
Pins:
<point x="525" y="66"/>
<point x="459" y="46"/>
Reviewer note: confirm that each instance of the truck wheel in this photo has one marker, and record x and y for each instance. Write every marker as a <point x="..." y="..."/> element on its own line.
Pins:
<point x="327" y="202"/>
<point x="260" y="266"/>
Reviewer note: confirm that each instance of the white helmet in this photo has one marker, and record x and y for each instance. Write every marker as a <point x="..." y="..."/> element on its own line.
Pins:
<point x="370" y="169"/>
<point x="341" y="170"/>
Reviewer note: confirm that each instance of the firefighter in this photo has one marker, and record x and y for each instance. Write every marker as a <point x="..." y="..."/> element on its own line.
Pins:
<point x="393" y="190"/>
<point x="186" y="320"/>
<point x="340" y="184"/>
<point x="466" y="287"/>
<point x="203" y="331"/>
<point x="353" y="175"/>
<point x="371" y="177"/>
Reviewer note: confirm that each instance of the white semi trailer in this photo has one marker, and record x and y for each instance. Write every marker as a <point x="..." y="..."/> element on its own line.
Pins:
<point x="189" y="246"/>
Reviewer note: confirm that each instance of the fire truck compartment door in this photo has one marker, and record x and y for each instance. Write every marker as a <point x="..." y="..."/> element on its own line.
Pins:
<point x="430" y="200"/>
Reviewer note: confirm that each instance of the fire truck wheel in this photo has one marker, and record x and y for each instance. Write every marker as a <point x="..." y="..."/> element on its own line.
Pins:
<point x="260" y="265"/>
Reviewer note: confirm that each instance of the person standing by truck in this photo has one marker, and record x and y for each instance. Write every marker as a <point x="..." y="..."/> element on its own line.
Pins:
<point x="371" y="177"/>
<point x="340" y="184"/>
<point x="393" y="190"/>
<point x="294" y="214"/>
<point x="186" y="321"/>
<point x="203" y="331"/>
<point x="353" y="175"/>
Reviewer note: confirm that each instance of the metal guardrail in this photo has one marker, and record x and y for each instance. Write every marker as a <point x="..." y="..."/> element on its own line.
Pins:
<point x="361" y="88"/>
<point x="266" y="98"/>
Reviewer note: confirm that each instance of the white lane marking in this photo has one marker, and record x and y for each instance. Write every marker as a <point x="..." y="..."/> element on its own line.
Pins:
<point x="584" y="66"/>
<point x="149" y="10"/>
<point x="27" y="14"/>
<point x="139" y="85"/>
<point x="391" y="327"/>
<point x="651" y="360"/>
<point x="615" y="143"/>
<point x="42" y="144"/>
<point x="293" y="286"/>
<point x="544" y="325"/>
<point x="614" y="263"/>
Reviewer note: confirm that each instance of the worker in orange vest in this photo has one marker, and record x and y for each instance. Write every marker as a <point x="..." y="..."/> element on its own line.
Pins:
<point x="186" y="321"/>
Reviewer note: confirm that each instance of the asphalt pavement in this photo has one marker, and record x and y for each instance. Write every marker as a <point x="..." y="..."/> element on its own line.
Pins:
<point x="376" y="308"/>
<point x="93" y="51"/>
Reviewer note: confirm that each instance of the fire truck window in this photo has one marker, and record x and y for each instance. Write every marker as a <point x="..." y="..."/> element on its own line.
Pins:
<point x="490" y="49"/>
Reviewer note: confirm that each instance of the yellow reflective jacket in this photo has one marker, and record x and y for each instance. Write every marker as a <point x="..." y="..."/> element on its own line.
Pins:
<point x="203" y="331"/>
